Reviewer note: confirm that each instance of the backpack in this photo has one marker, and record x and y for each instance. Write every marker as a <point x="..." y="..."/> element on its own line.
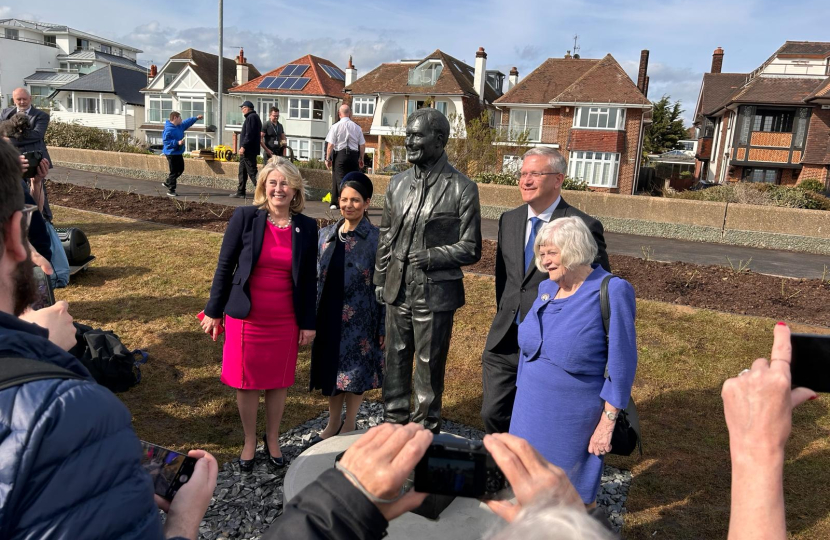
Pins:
<point x="107" y="359"/>
<point x="75" y="245"/>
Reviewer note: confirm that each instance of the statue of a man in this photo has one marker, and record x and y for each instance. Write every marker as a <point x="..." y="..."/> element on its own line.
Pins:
<point x="431" y="227"/>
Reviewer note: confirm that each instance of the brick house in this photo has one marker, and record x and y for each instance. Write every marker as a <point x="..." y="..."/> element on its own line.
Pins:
<point x="589" y="109"/>
<point x="382" y="99"/>
<point x="307" y="91"/>
<point x="771" y="125"/>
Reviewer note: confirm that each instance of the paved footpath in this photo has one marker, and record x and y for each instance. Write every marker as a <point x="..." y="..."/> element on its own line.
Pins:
<point x="765" y="261"/>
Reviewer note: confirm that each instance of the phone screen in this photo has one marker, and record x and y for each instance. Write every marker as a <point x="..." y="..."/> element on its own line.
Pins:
<point x="169" y="470"/>
<point x="45" y="296"/>
<point x="811" y="361"/>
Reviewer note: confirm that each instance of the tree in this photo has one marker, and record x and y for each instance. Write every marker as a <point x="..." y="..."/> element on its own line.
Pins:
<point x="476" y="148"/>
<point x="666" y="128"/>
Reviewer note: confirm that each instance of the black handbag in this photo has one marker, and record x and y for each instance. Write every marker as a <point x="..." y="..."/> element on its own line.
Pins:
<point x="626" y="436"/>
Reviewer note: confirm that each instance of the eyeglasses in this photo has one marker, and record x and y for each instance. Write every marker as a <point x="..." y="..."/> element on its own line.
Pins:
<point x="27" y="212"/>
<point x="534" y="175"/>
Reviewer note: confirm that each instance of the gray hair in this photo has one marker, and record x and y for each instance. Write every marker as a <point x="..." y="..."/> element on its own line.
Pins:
<point x="554" y="522"/>
<point x="573" y="238"/>
<point x="555" y="159"/>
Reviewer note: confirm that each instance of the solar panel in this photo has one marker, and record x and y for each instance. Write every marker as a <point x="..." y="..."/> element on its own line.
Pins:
<point x="300" y="83"/>
<point x="266" y="82"/>
<point x="288" y="70"/>
<point x="299" y="70"/>
<point x="277" y="82"/>
<point x="286" y="83"/>
<point x="333" y="72"/>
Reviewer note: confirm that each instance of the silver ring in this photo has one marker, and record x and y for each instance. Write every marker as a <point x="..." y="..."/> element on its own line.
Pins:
<point x="743" y="372"/>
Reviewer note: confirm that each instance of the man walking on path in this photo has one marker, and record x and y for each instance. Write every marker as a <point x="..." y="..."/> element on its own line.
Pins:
<point x="173" y="139"/>
<point x="273" y="135"/>
<point x="344" y="154"/>
<point x="517" y="278"/>
<point x="249" y="141"/>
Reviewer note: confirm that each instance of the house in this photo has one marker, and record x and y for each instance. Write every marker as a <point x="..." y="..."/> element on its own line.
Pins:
<point x="382" y="99"/>
<point x="307" y="91"/>
<point x="109" y="98"/>
<point x="770" y="125"/>
<point x="588" y="109"/>
<point x="44" y="57"/>
<point x="189" y="83"/>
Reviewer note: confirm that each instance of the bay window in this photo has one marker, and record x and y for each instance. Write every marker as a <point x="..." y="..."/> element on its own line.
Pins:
<point x="364" y="106"/>
<point x="598" y="169"/>
<point x="305" y="109"/>
<point x="600" y="118"/>
<point x="194" y="106"/>
<point x="160" y="108"/>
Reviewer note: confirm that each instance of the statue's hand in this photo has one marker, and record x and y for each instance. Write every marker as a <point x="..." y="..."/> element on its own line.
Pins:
<point x="419" y="259"/>
<point x="379" y="294"/>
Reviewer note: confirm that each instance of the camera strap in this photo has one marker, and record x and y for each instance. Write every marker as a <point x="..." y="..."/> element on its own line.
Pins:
<point x="17" y="371"/>
<point x="377" y="500"/>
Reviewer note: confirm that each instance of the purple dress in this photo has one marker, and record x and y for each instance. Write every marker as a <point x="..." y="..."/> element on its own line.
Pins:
<point x="561" y="388"/>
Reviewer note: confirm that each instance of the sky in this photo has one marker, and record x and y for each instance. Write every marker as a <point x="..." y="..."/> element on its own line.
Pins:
<point x="680" y="35"/>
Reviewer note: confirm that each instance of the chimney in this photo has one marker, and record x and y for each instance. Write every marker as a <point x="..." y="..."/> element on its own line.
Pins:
<point x="717" y="61"/>
<point x="645" y="90"/>
<point x="643" y="71"/>
<point x="241" y="68"/>
<point x="568" y="55"/>
<point x="480" y="76"/>
<point x="513" y="79"/>
<point x="154" y="71"/>
<point x="351" y="73"/>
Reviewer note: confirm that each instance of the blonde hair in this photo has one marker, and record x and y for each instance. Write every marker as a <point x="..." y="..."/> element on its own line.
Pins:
<point x="290" y="173"/>
<point x="573" y="238"/>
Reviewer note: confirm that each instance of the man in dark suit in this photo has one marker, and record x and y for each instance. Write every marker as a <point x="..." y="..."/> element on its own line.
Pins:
<point x="431" y="227"/>
<point x="38" y="120"/>
<point x="517" y="278"/>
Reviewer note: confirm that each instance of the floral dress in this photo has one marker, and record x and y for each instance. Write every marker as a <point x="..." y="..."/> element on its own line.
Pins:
<point x="346" y="355"/>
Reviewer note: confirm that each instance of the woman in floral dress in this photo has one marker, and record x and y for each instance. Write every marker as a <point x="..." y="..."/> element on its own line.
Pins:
<point x="347" y="355"/>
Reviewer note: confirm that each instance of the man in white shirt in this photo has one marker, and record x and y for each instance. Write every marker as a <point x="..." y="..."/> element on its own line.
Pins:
<point x="344" y="152"/>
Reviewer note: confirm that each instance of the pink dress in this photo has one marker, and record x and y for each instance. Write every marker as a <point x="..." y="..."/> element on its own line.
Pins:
<point x="260" y="350"/>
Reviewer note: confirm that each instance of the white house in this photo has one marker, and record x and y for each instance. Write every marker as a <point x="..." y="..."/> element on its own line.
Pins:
<point x="109" y="98"/>
<point x="44" y="57"/>
<point x="188" y="83"/>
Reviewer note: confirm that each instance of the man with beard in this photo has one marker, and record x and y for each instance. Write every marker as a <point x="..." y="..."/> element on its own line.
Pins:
<point x="71" y="460"/>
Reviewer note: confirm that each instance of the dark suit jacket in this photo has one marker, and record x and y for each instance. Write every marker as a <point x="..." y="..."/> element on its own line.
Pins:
<point x="240" y="251"/>
<point x="515" y="289"/>
<point x="34" y="141"/>
<point x="451" y="210"/>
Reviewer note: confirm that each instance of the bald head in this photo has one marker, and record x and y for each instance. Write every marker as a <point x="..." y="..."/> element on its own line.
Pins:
<point x="22" y="99"/>
<point x="345" y="111"/>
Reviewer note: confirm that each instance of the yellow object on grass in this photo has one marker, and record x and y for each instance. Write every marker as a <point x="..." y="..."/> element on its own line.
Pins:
<point x="327" y="198"/>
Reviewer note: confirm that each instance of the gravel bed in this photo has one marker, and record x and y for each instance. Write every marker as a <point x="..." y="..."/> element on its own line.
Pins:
<point x="245" y="506"/>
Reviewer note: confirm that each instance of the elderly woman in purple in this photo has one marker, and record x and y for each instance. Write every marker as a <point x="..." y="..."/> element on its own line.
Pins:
<point x="565" y="406"/>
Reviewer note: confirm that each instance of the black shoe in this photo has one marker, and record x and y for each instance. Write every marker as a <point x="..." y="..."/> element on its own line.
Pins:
<point x="276" y="462"/>
<point x="318" y="439"/>
<point x="246" y="465"/>
<point x="237" y="195"/>
<point x="172" y="194"/>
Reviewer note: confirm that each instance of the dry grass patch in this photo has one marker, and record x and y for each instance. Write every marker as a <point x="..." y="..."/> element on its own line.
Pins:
<point x="150" y="281"/>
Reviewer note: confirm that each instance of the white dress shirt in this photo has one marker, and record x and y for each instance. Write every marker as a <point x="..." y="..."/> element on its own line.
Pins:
<point x="544" y="216"/>
<point x="345" y="133"/>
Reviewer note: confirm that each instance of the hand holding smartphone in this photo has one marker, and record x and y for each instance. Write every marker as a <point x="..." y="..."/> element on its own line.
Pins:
<point x="169" y="470"/>
<point x="810" y="366"/>
<point x="220" y="329"/>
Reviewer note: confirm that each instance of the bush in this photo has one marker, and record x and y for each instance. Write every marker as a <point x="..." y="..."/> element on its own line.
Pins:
<point x="73" y="135"/>
<point x="686" y="174"/>
<point x="575" y="184"/>
<point x="500" y="178"/>
<point x="812" y="184"/>
<point x="761" y="194"/>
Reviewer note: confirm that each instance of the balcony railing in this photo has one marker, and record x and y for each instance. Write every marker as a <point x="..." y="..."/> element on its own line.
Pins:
<point x="234" y="118"/>
<point x="543" y="134"/>
<point x="392" y="120"/>
<point x="29" y="40"/>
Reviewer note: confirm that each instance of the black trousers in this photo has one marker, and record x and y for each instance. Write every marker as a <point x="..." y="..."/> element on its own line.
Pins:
<point x="344" y="162"/>
<point x="176" y="167"/>
<point x="247" y="169"/>
<point x="498" y="373"/>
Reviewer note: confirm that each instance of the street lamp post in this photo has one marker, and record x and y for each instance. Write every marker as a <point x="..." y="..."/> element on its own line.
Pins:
<point x="221" y="128"/>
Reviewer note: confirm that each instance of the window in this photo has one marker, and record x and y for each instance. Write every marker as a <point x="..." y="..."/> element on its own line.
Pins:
<point x="300" y="148"/>
<point x="600" y="117"/>
<point x="81" y="44"/>
<point x="708" y="129"/>
<point x="598" y="169"/>
<point x="802" y="117"/>
<point x="87" y="105"/>
<point x="168" y="78"/>
<point x="305" y="109"/>
<point x="106" y="49"/>
<point x="398" y="154"/>
<point x="413" y="105"/>
<point x="511" y="163"/>
<point x="50" y="40"/>
<point x="529" y="120"/>
<point x="771" y="120"/>
<point x="160" y="108"/>
<point x="264" y="108"/>
<point x="154" y="137"/>
<point x="317" y="150"/>
<point x="69" y="101"/>
<point x="194" y="142"/>
<point x="426" y="74"/>
<point x="364" y="106"/>
<point x="442" y="107"/>
<point x="190" y="107"/>
<point x="12" y="33"/>
<point x="107" y="106"/>
<point x="752" y="174"/>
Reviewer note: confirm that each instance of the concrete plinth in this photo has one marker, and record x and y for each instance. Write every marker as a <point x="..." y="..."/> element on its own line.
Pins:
<point x="461" y="520"/>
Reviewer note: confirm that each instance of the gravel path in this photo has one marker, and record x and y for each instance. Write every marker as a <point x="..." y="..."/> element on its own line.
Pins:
<point x="245" y="506"/>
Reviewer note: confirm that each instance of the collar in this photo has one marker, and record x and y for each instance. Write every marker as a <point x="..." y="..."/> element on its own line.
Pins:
<point x="437" y="167"/>
<point x="26" y="111"/>
<point x="9" y="321"/>
<point x="546" y="214"/>
<point x="362" y="229"/>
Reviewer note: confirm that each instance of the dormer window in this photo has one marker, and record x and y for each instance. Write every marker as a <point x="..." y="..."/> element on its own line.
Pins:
<point x="425" y="74"/>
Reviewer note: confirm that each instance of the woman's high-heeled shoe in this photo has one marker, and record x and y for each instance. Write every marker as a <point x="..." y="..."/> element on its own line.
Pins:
<point x="277" y="462"/>
<point x="318" y="439"/>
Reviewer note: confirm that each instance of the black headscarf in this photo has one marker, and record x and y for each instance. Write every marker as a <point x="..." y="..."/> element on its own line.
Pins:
<point x="358" y="182"/>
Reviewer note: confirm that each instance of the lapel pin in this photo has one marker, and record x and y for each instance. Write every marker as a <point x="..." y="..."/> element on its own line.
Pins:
<point x="545" y="297"/>
<point x="297" y="229"/>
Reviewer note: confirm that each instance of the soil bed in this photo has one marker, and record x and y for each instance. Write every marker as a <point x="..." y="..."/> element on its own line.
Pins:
<point x="711" y="287"/>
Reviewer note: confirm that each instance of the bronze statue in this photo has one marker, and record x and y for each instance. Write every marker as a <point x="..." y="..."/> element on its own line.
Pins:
<point x="431" y="227"/>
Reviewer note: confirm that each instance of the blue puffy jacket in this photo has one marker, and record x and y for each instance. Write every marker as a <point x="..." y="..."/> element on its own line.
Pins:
<point x="173" y="134"/>
<point x="69" y="458"/>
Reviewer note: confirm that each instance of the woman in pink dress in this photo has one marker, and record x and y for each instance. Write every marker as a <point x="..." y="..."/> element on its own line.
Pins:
<point x="265" y="288"/>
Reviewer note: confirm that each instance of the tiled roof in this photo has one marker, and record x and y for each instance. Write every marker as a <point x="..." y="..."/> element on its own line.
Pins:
<point x="817" y="148"/>
<point x="774" y="90"/>
<point x="319" y="85"/>
<point x="718" y="89"/>
<point x="456" y="78"/>
<point x="51" y="77"/>
<point x="806" y="47"/>
<point x="206" y="66"/>
<point x="124" y="82"/>
<point x="569" y="80"/>
<point x="821" y="91"/>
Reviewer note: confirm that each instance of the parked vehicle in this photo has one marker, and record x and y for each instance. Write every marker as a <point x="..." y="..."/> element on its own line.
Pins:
<point x="395" y="168"/>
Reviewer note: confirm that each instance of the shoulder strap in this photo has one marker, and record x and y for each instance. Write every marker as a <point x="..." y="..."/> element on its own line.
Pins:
<point x="16" y="371"/>
<point x="605" y="308"/>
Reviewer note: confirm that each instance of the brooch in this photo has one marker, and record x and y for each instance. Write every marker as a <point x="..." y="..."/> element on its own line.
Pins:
<point x="545" y="297"/>
<point x="297" y="229"/>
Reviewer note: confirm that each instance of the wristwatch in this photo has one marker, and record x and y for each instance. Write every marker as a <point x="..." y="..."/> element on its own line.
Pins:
<point x="611" y="415"/>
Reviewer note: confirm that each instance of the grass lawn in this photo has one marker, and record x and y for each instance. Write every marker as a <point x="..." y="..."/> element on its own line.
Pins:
<point x="149" y="282"/>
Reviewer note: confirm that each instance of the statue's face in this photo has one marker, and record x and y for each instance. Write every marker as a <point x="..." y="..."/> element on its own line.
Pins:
<point x="423" y="144"/>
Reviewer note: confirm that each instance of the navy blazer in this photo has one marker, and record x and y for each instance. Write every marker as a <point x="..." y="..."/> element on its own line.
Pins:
<point x="241" y="246"/>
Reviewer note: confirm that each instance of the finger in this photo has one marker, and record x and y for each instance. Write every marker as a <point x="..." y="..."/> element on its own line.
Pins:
<point x="162" y="503"/>
<point x="507" y="460"/>
<point x="215" y="332"/>
<point x="413" y="451"/>
<point x="782" y="349"/>
<point x="800" y="395"/>
<point x="392" y="446"/>
<point x="531" y="459"/>
<point x="408" y="502"/>
<point x="62" y="305"/>
<point x="374" y="436"/>
<point x="504" y="509"/>
<point x="760" y="364"/>
<point x="198" y="454"/>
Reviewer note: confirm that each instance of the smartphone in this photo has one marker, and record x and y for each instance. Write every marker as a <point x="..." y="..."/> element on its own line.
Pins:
<point x="221" y="329"/>
<point x="34" y="159"/>
<point x="45" y="297"/>
<point x="459" y="467"/>
<point x="169" y="470"/>
<point x="810" y="365"/>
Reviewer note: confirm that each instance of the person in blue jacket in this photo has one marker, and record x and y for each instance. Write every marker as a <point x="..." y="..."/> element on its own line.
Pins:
<point x="173" y="138"/>
<point x="71" y="462"/>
